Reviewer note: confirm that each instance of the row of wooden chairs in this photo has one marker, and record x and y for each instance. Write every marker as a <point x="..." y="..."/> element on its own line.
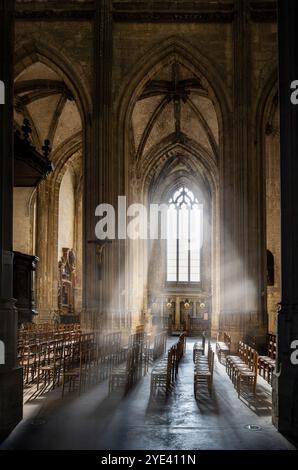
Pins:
<point x="266" y="363"/>
<point x="33" y="352"/>
<point x="70" y="358"/>
<point x="64" y="356"/>
<point x="164" y="373"/>
<point x="203" y="370"/>
<point x="243" y="367"/>
<point x="56" y="359"/>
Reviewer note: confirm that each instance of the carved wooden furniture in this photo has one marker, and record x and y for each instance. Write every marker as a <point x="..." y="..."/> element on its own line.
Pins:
<point x="203" y="371"/>
<point x="223" y="348"/>
<point x="24" y="267"/>
<point x="30" y="166"/>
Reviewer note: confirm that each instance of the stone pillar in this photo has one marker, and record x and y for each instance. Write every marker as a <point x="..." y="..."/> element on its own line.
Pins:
<point x="44" y="248"/>
<point x="287" y="384"/>
<point x="11" y="383"/>
<point x="97" y="163"/>
<point x="242" y="287"/>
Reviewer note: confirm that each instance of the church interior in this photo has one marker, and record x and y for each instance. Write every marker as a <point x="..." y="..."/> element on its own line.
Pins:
<point x="150" y="342"/>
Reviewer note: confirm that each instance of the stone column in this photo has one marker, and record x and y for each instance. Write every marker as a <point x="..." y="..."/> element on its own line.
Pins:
<point x="11" y="383"/>
<point x="97" y="185"/>
<point x="44" y="250"/>
<point x="287" y="383"/>
<point x="241" y="297"/>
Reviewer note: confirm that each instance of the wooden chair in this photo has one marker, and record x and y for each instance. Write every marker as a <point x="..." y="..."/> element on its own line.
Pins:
<point x="203" y="371"/>
<point x="223" y="348"/>
<point x="50" y="373"/>
<point x="28" y="359"/>
<point x="248" y="373"/>
<point x="162" y="374"/>
<point x="77" y="363"/>
<point x="71" y="367"/>
<point x="159" y="346"/>
<point x="266" y="364"/>
<point x="244" y="367"/>
<point x="199" y="348"/>
<point x="121" y="376"/>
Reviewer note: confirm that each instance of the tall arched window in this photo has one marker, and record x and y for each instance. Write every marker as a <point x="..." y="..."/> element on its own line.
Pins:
<point x="184" y="237"/>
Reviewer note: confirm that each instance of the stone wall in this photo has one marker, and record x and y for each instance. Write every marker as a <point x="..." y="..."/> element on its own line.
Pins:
<point x="23" y="221"/>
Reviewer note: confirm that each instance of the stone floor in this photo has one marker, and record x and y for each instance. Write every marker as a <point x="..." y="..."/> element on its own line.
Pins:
<point x="96" y="420"/>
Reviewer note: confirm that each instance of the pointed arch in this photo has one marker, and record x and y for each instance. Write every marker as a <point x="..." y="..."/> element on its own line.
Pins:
<point x="73" y="82"/>
<point x="138" y="175"/>
<point x="149" y="65"/>
<point x="189" y="153"/>
<point x="161" y="55"/>
<point x="34" y="51"/>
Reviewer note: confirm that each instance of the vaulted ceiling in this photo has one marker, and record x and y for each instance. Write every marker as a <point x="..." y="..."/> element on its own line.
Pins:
<point x="42" y="97"/>
<point x="174" y="105"/>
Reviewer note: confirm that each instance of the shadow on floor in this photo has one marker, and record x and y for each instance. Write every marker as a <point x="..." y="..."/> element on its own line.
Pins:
<point x="207" y="405"/>
<point x="260" y="404"/>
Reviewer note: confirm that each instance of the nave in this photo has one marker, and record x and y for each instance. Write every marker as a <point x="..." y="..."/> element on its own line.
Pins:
<point x="185" y="107"/>
<point x="99" y="420"/>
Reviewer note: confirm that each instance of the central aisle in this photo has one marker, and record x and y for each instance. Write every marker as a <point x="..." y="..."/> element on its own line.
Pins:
<point x="98" y="421"/>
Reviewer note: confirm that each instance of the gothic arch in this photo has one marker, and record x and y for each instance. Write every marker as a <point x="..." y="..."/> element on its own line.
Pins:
<point x="160" y="55"/>
<point x="48" y="203"/>
<point x="151" y="62"/>
<point x="196" y="160"/>
<point x="139" y="175"/>
<point x="72" y="79"/>
<point x="73" y="150"/>
<point x="34" y="51"/>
